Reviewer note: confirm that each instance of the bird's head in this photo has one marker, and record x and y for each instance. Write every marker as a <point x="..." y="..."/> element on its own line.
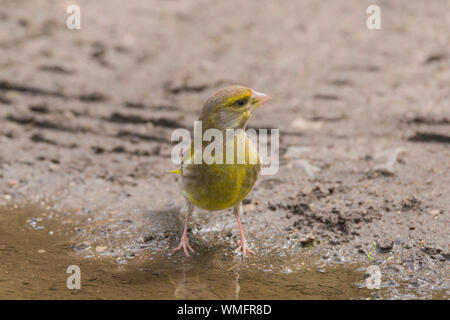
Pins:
<point x="231" y="107"/>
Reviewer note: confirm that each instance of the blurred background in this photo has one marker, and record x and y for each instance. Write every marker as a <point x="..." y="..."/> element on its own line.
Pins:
<point x="86" y="117"/>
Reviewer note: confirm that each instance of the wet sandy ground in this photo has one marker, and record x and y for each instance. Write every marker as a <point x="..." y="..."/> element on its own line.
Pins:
<point x="35" y="267"/>
<point x="43" y="257"/>
<point x="86" y="118"/>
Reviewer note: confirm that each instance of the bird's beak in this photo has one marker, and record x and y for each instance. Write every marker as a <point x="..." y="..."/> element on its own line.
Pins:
<point x="258" y="99"/>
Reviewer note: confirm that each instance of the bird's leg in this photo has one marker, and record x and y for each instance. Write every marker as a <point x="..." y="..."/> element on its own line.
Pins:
<point x="184" y="243"/>
<point x="243" y="242"/>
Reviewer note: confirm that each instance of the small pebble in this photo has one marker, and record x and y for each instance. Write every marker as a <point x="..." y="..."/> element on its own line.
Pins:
<point x="99" y="249"/>
<point x="435" y="212"/>
<point x="307" y="190"/>
<point x="385" y="244"/>
<point x="307" y="239"/>
<point x="121" y="260"/>
<point x="12" y="183"/>
<point x="81" y="247"/>
<point x="286" y="270"/>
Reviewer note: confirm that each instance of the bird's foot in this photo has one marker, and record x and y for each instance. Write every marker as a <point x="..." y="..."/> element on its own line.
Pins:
<point x="184" y="244"/>
<point x="244" y="248"/>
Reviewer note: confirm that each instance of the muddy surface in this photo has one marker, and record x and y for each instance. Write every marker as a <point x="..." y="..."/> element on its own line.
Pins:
<point x="86" y="118"/>
<point x="36" y="267"/>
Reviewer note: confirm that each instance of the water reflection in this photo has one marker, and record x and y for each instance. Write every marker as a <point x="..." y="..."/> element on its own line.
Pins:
<point x="196" y="288"/>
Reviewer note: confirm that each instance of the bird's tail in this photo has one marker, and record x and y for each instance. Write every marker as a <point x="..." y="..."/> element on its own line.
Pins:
<point x="177" y="171"/>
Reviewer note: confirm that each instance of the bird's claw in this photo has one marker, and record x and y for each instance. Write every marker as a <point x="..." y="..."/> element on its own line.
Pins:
<point x="244" y="248"/>
<point x="184" y="244"/>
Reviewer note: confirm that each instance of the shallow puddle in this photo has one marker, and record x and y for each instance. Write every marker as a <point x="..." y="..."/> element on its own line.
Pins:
<point x="34" y="261"/>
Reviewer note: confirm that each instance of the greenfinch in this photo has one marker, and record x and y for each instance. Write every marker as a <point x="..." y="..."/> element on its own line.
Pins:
<point x="224" y="182"/>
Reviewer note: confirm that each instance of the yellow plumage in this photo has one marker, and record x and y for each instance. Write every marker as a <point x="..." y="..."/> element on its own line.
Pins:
<point x="225" y="181"/>
<point x="220" y="186"/>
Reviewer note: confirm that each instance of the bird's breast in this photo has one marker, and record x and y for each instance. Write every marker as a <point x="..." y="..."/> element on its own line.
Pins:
<point x="222" y="184"/>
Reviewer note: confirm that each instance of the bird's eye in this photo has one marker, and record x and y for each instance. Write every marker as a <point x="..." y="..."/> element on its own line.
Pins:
<point x="241" y="102"/>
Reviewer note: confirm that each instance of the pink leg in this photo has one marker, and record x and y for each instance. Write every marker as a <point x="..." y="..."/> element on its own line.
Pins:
<point x="243" y="242"/>
<point x="184" y="243"/>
